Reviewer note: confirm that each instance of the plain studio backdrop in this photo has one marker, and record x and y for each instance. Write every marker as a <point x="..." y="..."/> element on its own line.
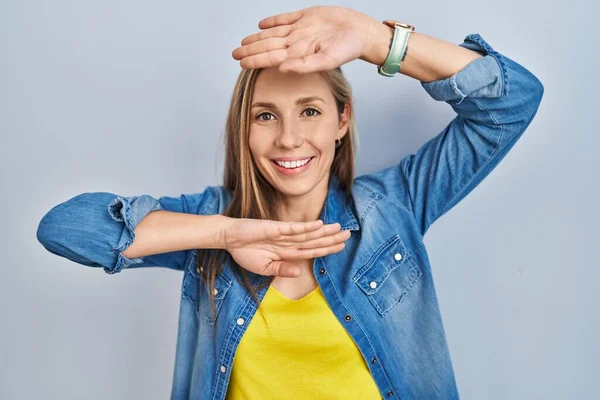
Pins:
<point x="130" y="97"/>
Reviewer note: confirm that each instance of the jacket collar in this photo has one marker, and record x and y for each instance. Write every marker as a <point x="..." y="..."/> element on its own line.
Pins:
<point x="338" y="207"/>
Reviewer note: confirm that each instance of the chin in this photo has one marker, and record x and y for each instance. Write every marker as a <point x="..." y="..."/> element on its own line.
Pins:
<point x="291" y="187"/>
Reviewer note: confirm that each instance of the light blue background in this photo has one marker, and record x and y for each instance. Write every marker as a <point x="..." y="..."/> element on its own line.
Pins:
<point x="130" y="97"/>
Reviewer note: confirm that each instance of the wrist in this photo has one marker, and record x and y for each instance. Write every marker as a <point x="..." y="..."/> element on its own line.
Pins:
<point x="377" y="45"/>
<point x="222" y="226"/>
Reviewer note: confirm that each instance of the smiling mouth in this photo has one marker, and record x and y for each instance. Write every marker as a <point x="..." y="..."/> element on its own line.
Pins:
<point x="291" y="165"/>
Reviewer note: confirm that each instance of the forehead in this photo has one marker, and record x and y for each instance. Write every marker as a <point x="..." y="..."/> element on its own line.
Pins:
<point x="274" y="86"/>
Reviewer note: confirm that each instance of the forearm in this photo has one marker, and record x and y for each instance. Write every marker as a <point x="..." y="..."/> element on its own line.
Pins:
<point x="166" y="231"/>
<point x="428" y="59"/>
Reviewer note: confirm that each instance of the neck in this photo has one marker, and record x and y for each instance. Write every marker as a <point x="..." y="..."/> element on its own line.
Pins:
<point x="306" y="207"/>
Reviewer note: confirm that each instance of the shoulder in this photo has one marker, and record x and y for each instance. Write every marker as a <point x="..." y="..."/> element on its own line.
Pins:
<point x="217" y="198"/>
<point x="212" y="199"/>
<point x="384" y="208"/>
<point x="388" y="184"/>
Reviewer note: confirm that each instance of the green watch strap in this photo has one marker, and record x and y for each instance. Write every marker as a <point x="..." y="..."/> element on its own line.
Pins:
<point x="397" y="53"/>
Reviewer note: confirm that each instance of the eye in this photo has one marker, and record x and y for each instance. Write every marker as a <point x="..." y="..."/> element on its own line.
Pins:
<point x="310" y="109"/>
<point x="317" y="112"/>
<point x="261" y="114"/>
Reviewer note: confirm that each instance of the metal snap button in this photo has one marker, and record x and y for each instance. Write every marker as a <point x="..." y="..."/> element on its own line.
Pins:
<point x="240" y="321"/>
<point x="223" y="369"/>
<point x="398" y="256"/>
<point x="348" y="317"/>
<point x="322" y="271"/>
<point x="373" y="285"/>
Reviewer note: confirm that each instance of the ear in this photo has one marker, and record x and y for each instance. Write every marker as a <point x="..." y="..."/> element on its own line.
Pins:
<point x="343" y="125"/>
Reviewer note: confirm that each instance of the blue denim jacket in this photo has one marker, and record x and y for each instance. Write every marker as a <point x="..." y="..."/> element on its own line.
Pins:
<point x="380" y="286"/>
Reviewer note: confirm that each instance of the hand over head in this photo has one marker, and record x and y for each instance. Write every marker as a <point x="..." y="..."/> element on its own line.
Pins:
<point x="312" y="39"/>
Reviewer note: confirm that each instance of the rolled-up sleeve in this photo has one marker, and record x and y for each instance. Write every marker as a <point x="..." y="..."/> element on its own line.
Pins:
<point x="130" y="211"/>
<point x="483" y="77"/>
<point x="94" y="229"/>
<point x="495" y="100"/>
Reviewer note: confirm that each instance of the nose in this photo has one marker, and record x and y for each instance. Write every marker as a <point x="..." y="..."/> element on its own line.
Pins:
<point x="288" y="136"/>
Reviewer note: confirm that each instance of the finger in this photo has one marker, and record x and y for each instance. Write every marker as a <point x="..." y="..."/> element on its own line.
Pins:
<point x="324" y="230"/>
<point x="327" y="241"/>
<point x="279" y="228"/>
<point x="309" y="63"/>
<point x="275" y="57"/>
<point x="264" y="60"/>
<point x="311" y="253"/>
<point x="280" y="19"/>
<point x="299" y="227"/>
<point x="285" y="269"/>
<point x="278" y="31"/>
<point x="263" y="46"/>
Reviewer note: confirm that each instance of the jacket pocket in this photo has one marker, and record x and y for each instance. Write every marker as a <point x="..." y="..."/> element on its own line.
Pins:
<point x="389" y="275"/>
<point x="195" y="290"/>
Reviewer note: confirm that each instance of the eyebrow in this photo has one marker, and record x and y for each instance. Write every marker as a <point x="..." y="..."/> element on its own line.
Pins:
<point x="300" y="101"/>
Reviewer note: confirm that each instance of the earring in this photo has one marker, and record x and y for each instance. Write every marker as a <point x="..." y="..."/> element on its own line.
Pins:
<point x="338" y="143"/>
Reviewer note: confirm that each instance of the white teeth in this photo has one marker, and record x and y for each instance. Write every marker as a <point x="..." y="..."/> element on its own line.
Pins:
<point x="292" y="164"/>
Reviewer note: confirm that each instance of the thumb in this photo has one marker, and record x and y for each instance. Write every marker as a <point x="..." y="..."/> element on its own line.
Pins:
<point x="285" y="269"/>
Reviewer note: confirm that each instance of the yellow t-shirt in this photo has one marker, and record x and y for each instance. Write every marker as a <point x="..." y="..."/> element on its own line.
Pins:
<point x="303" y="353"/>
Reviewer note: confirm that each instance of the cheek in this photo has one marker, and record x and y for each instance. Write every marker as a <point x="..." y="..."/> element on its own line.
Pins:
<point x="257" y="146"/>
<point x="327" y="134"/>
<point x="324" y="140"/>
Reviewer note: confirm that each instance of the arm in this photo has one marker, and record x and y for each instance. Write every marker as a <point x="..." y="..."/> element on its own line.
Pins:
<point x="99" y="229"/>
<point x="427" y="59"/>
<point x="495" y="99"/>
<point x="165" y="231"/>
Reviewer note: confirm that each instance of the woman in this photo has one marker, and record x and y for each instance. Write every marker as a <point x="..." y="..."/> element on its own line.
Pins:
<point x="336" y="263"/>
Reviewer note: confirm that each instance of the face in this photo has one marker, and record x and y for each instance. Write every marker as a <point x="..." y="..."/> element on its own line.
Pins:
<point x="294" y="120"/>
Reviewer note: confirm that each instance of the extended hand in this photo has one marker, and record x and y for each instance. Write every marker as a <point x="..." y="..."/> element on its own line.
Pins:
<point x="264" y="246"/>
<point x="312" y="39"/>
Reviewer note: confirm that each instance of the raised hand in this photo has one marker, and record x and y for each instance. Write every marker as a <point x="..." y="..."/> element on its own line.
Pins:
<point x="312" y="39"/>
<point x="267" y="247"/>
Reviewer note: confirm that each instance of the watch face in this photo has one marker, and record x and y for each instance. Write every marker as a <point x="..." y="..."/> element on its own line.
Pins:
<point x="392" y="23"/>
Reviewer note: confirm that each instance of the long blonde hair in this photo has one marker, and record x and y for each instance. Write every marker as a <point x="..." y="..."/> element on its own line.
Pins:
<point x="252" y="195"/>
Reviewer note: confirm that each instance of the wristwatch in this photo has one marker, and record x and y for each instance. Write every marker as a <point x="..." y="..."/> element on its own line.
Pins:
<point x="398" y="47"/>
